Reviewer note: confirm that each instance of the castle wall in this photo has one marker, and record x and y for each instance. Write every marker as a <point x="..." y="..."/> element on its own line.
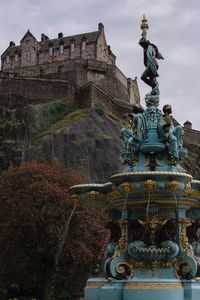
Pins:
<point x="102" y="50"/>
<point x="39" y="90"/>
<point x="107" y="76"/>
<point x="93" y="94"/>
<point x="191" y="136"/>
<point x="134" y="94"/>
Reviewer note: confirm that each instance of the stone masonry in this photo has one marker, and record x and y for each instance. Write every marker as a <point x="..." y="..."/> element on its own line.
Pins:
<point x="80" y="58"/>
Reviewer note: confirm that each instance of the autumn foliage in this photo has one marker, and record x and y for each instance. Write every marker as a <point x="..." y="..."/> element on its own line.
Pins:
<point x="35" y="205"/>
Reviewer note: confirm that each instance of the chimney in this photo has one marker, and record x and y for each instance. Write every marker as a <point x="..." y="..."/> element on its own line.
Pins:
<point x="12" y="44"/>
<point x="100" y="27"/>
<point x="187" y="125"/>
<point x="44" y="37"/>
<point x="60" y="35"/>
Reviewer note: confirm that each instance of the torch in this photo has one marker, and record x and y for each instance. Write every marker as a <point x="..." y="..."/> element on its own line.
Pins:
<point x="144" y="26"/>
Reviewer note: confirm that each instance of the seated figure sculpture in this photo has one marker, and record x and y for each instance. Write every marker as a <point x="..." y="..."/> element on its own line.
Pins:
<point x="133" y="136"/>
<point x="169" y="134"/>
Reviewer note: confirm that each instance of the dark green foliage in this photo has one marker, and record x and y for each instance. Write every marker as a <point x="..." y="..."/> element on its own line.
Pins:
<point x="71" y="118"/>
<point x="99" y="108"/>
<point x="53" y="111"/>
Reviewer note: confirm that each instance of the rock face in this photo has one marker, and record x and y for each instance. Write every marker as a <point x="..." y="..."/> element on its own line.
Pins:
<point x="86" y="141"/>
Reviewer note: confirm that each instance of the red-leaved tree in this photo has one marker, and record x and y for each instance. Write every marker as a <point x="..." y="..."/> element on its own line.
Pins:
<point x="46" y="242"/>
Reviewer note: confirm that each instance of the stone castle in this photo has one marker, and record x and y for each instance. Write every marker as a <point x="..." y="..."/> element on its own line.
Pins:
<point x="80" y="59"/>
<point x="81" y="69"/>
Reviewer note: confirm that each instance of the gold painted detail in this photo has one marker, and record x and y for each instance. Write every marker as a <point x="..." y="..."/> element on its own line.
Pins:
<point x="76" y="198"/>
<point x="153" y="285"/>
<point x="173" y="185"/>
<point x="123" y="241"/>
<point x="93" y="195"/>
<point x="187" y="190"/>
<point x="151" y="265"/>
<point x="127" y="187"/>
<point x="194" y="194"/>
<point x="149" y="185"/>
<point x="94" y="285"/>
<point x="135" y="159"/>
<point x="124" y="269"/>
<point x="117" y="253"/>
<point x="114" y="194"/>
<point x="153" y="223"/>
<point x="183" y="236"/>
<point x="144" y="25"/>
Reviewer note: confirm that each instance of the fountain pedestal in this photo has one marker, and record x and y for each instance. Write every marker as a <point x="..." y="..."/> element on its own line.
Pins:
<point x="152" y="203"/>
<point x="154" y="209"/>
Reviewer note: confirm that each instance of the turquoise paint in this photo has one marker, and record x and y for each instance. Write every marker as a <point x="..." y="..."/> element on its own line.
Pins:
<point x="154" y="262"/>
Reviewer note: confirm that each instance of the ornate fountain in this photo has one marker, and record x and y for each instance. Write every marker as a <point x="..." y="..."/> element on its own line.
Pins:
<point x="154" y="207"/>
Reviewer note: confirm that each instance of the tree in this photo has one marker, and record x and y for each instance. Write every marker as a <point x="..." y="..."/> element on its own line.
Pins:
<point x="36" y="209"/>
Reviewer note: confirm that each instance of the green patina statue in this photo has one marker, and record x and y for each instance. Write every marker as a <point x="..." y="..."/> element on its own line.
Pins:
<point x="151" y="54"/>
<point x="154" y="208"/>
<point x="169" y="134"/>
<point x="133" y="137"/>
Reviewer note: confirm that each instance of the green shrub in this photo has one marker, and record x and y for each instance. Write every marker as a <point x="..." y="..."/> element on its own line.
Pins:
<point x="53" y="111"/>
<point x="99" y="108"/>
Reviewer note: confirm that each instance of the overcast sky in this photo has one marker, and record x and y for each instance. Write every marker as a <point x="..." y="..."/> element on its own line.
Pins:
<point x="174" y="28"/>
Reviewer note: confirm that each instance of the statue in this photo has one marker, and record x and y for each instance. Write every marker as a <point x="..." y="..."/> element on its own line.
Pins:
<point x="115" y="232"/>
<point x="134" y="136"/>
<point x="193" y="231"/>
<point x="139" y="232"/>
<point x="151" y="54"/>
<point x="170" y="134"/>
<point x="167" y="232"/>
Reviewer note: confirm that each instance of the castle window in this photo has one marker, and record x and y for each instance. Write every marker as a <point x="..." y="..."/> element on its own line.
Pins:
<point x="60" y="69"/>
<point x="50" y="51"/>
<point x="83" y="46"/>
<point x="7" y="59"/>
<point x="61" y="48"/>
<point x="16" y="57"/>
<point x="72" y="48"/>
<point x="41" y="72"/>
<point x="28" y="55"/>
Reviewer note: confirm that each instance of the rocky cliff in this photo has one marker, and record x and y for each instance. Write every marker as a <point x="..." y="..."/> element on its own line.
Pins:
<point x="90" y="142"/>
<point x="86" y="139"/>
